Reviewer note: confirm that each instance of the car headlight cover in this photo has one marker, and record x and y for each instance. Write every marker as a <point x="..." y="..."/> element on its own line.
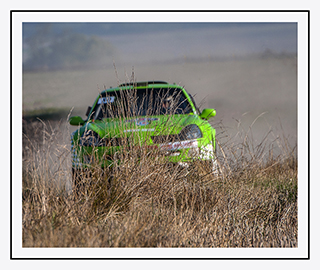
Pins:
<point x="190" y="132"/>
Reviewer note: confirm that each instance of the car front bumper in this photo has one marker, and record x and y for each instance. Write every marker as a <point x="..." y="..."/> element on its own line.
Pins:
<point x="182" y="152"/>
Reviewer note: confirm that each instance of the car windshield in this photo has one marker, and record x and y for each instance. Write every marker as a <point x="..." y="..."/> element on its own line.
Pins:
<point x="141" y="102"/>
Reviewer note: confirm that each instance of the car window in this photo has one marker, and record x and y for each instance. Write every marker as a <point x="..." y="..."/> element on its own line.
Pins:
<point x="141" y="102"/>
<point x="194" y="103"/>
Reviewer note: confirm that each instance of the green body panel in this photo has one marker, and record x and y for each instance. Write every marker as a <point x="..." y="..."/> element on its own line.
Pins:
<point x="139" y="131"/>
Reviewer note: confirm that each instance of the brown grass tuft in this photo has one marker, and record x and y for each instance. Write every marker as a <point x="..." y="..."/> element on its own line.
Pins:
<point x="252" y="202"/>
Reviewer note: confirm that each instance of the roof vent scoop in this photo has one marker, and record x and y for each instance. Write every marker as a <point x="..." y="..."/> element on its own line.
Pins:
<point x="142" y="83"/>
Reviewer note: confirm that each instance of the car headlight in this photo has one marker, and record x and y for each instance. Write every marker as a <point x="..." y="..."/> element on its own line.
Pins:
<point x="190" y="132"/>
<point x="91" y="138"/>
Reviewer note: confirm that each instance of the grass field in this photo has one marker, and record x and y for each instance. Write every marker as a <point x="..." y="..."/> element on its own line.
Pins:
<point x="251" y="203"/>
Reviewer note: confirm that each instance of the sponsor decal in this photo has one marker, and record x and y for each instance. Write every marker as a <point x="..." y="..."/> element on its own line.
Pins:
<point x="74" y="157"/>
<point x="138" y="129"/>
<point x="179" y="145"/>
<point x="106" y="100"/>
<point x="142" y="121"/>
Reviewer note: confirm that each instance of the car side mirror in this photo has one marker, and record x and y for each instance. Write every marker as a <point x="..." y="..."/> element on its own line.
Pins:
<point x="76" y="121"/>
<point x="208" y="113"/>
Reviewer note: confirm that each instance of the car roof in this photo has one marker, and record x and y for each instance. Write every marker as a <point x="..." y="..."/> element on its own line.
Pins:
<point x="143" y="84"/>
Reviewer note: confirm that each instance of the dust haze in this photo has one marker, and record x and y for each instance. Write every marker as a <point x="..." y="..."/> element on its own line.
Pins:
<point x="246" y="71"/>
<point x="254" y="94"/>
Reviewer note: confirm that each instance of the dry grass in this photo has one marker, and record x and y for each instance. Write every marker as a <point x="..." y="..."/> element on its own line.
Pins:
<point x="251" y="203"/>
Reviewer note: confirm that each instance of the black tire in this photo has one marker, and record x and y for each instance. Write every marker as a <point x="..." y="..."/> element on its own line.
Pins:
<point x="203" y="169"/>
<point x="81" y="178"/>
<point x="210" y="166"/>
<point x="77" y="177"/>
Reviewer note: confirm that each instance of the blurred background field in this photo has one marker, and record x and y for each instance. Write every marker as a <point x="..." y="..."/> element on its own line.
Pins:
<point x="246" y="71"/>
<point x="240" y="90"/>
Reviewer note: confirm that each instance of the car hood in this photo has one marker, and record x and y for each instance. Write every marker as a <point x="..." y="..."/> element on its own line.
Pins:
<point x="144" y="126"/>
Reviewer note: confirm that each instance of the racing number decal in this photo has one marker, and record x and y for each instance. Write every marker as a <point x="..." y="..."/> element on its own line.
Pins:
<point x="106" y="100"/>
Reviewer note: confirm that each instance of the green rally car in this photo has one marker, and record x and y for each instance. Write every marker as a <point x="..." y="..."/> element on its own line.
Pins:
<point x="153" y="115"/>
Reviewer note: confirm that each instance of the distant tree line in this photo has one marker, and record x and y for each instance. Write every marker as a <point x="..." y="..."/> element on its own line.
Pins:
<point x="48" y="51"/>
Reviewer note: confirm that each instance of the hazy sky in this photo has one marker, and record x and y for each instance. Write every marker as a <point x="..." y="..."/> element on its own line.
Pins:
<point x="203" y="40"/>
<point x="135" y="42"/>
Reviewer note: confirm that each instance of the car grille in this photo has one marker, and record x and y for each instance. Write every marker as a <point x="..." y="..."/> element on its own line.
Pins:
<point x="118" y="142"/>
<point x="115" y="141"/>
